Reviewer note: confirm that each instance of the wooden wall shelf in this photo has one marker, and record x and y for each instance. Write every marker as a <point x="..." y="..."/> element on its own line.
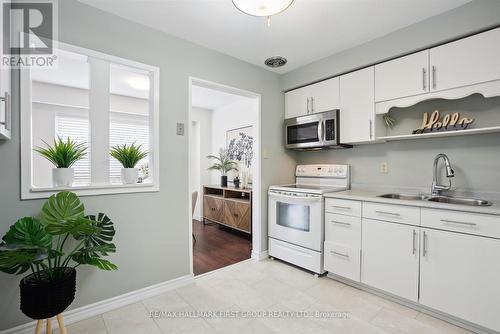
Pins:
<point x="228" y="206"/>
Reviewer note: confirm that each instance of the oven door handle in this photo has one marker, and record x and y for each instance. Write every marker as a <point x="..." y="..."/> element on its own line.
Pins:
<point x="312" y="198"/>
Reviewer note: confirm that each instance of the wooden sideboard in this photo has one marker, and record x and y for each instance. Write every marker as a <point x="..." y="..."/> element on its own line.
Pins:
<point x="228" y="206"/>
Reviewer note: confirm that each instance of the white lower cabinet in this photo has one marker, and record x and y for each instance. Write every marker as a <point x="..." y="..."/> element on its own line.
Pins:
<point x="460" y="275"/>
<point x="342" y="260"/>
<point x="389" y="259"/>
<point x="448" y="261"/>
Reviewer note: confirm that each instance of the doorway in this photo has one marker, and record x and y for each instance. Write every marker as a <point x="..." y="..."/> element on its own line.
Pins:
<point x="225" y="221"/>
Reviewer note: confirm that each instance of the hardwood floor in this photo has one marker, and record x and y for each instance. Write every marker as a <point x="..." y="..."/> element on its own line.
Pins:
<point x="217" y="246"/>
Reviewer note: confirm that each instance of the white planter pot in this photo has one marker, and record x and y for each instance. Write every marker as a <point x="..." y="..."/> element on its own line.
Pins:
<point x="130" y="175"/>
<point x="63" y="177"/>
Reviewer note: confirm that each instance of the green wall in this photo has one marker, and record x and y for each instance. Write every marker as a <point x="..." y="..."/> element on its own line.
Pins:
<point x="152" y="228"/>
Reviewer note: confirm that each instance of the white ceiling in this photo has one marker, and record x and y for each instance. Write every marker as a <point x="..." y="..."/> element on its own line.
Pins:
<point x="307" y="31"/>
<point x="206" y="98"/>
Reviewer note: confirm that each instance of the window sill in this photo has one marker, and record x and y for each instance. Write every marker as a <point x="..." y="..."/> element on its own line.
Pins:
<point x="92" y="190"/>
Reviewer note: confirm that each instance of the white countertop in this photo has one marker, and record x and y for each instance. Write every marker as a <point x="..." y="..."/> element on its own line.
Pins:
<point x="371" y="196"/>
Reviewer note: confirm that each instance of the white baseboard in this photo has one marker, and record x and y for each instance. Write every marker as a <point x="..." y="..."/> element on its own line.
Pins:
<point x="259" y="256"/>
<point x="92" y="310"/>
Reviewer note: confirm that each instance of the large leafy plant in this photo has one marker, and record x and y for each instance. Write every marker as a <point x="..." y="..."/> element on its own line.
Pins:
<point x="63" y="236"/>
<point x="223" y="163"/>
<point x="63" y="154"/>
<point x="128" y="155"/>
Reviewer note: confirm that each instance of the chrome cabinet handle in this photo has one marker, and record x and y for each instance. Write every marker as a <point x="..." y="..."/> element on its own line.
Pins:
<point x="341" y="207"/>
<point x="424" y="79"/>
<point x="340" y="223"/>
<point x="340" y="254"/>
<point x="312" y="104"/>
<point x="308" y="106"/>
<point x="448" y="221"/>
<point x="371" y="129"/>
<point x="389" y="213"/>
<point x="434" y="85"/>
<point x="6" y="100"/>
<point x="424" y="246"/>
<point x="414" y="242"/>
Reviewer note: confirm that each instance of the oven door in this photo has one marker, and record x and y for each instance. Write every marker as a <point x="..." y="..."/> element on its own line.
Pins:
<point x="296" y="218"/>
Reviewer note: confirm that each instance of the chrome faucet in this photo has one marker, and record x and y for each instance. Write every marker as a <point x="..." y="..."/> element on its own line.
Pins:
<point x="436" y="188"/>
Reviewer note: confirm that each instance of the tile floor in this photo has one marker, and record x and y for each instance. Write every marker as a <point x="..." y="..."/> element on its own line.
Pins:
<point x="264" y="286"/>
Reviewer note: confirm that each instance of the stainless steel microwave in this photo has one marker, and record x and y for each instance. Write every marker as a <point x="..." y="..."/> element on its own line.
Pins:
<point x="314" y="132"/>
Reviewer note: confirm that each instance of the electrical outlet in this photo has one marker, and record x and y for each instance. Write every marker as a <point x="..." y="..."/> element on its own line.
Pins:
<point x="384" y="168"/>
<point x="180" y="129"/>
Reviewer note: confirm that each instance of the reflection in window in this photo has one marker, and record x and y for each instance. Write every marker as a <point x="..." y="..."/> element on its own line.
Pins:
<point x="95" y="99"/>
<point x="60" y="102"/>
<point x="129" y="114"/>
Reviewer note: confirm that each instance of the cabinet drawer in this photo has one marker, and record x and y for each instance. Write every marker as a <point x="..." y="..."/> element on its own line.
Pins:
<point x="465" y="222"/>
<point x="393" y="213"/>
<point x="342" y="229"/>
<point x="343" y="207"/>
<point x="343" y="261"/>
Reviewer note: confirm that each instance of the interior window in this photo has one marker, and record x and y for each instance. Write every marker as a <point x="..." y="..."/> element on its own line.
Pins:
<point x="98" y="101"/>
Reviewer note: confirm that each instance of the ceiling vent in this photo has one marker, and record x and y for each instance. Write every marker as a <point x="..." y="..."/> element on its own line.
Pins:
<point x="276" y="61"/>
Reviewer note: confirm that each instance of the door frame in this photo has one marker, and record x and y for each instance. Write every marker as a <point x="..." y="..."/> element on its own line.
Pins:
<point x="257" y="222"/>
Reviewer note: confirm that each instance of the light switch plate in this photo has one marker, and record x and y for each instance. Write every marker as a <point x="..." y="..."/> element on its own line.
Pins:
<point x="180" y="129"/>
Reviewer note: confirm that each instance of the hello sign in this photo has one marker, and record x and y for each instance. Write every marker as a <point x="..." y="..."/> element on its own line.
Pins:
<point x="451" y="121"/>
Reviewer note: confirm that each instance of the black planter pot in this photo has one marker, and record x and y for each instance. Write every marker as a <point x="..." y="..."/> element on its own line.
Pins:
<point x="42" y="300"/>
<point x="223" y="181"/>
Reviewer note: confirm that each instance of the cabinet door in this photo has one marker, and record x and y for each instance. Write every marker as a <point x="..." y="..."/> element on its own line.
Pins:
<point x="460" y="275"/>
<point x="5" y="78"/>
<point x="325" y="95"/>
<point x="405" y="76"/>
<point x="297" y="103"/>
<point x="357" y="106"/>
<point x="389" y="259"/>
<point x="243" y="216"/>
<point x="466" y="62"/>
<point x="213" y="208"/>
<point x="237" y="214"/>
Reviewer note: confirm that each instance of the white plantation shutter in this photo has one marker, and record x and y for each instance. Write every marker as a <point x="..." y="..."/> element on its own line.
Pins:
<point x="127" y="129"/>
<point x="76" y="127"/>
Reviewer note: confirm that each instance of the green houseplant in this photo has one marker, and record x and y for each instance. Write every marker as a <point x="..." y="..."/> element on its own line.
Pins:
<point x="62" y="154"/>
<point x="223" y="164"/>
<point x="51" y="246"/>
<point x="128" y="156"/>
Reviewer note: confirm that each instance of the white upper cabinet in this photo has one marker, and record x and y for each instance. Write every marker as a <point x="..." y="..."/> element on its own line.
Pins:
<point x="459" y="275"/>
<point x="467" y="61"/>
<point x="297" y="103"/>
<point x="319" y="97"/>
<point x="357" y="106"/>
<point x="390" y="257"/>
<point x="402" y="77"/>
<point x="325" y="95"/>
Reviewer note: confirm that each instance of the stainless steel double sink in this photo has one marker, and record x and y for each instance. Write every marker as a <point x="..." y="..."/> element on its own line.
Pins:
<point x="439" y="199"/>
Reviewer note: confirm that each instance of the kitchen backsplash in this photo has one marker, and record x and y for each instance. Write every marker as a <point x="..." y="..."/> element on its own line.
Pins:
<point x="475" y="159"/>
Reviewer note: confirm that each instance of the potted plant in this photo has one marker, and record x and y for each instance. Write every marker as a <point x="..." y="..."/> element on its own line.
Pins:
<point x="224" y="164"/>
<point x="51" y="246"/>
<point x="63" y="154"/>
<point x="128" y="156"/>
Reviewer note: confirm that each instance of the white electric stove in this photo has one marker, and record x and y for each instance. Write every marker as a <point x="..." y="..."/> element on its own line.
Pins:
<point x="296" y="222"/>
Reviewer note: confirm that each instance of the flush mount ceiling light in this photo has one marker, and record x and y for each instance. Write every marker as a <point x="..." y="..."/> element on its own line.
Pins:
<point x="262" y="8"/>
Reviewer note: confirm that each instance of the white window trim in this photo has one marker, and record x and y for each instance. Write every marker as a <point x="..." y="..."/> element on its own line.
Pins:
<point x="28" y="191"/>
